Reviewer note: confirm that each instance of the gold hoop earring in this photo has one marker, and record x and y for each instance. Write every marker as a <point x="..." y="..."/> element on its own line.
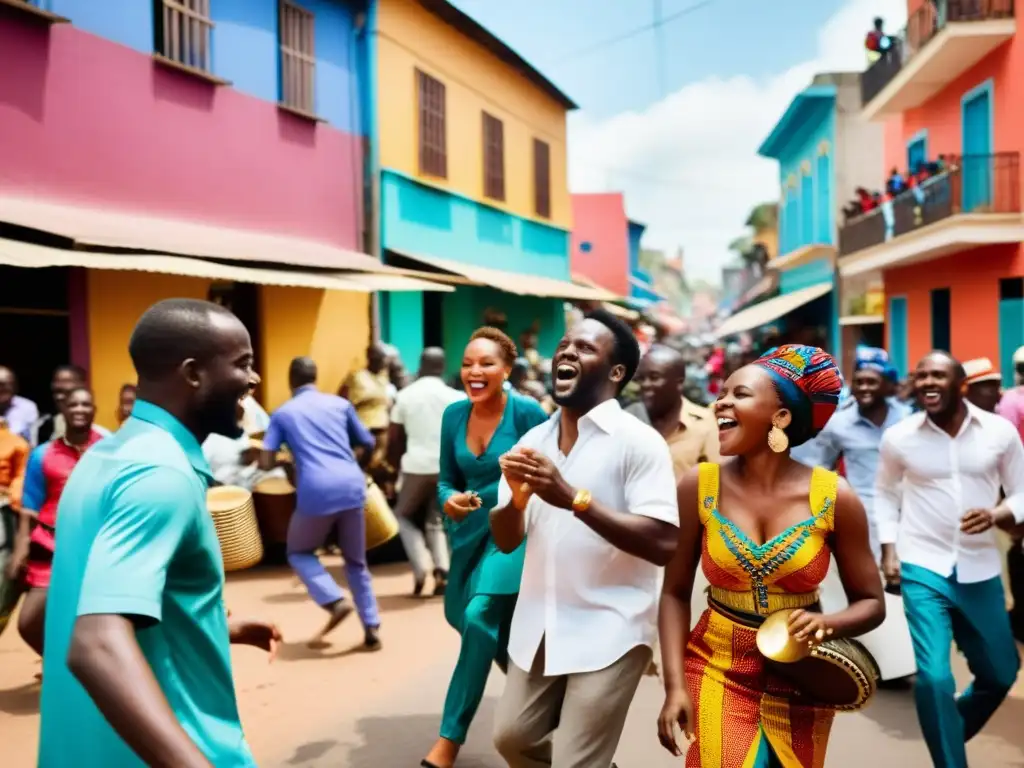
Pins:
<point x="778" y="440"/>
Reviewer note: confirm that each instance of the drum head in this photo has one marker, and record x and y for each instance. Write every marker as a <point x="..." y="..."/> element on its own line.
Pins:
<point x="838" y="676"/>
<point x="225" y="498"/>
<point x="274" y="486"/>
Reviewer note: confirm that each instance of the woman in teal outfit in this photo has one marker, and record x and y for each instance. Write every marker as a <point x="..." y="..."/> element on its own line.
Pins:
<point x="482" y="583"/>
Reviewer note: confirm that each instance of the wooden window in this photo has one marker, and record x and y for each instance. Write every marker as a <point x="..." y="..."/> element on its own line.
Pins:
<point x="298" y="62"/>
<point x="542" y="178"/>
<point x="494" y="157"/>
<point x="183" y="29"/>
<point x="433" y="133"/>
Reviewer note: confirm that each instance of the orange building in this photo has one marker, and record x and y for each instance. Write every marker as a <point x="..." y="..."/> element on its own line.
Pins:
<point x="948" y="245"/>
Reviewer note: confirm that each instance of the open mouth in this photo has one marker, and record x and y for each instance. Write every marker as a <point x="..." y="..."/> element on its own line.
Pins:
<point x="725" y="423"/>
<point x="931" y="397"/>
<point x="566" y="372"/>
<point x="477" y="386"/>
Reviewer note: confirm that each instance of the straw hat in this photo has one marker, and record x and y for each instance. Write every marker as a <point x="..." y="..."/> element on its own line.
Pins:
<point x="981" y="369"/>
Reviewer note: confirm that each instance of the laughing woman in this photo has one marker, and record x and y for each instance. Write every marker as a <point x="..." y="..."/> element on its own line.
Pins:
<point x="764" y="529"/>
<point x="483" y="583"/>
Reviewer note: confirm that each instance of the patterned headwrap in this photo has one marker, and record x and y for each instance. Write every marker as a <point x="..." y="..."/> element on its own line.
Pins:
<point x="809" y="382"/>
<point x="874" y="359"/>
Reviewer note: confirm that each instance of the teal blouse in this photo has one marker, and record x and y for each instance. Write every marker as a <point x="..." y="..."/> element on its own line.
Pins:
<point x="478" y="567"/>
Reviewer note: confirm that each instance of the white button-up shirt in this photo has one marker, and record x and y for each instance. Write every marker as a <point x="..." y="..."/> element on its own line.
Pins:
<point x="590" y="602"/>
<point x="942" y="478"/>
<point x="419" y="409"/>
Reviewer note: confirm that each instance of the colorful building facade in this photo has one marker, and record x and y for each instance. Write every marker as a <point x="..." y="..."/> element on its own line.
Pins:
<point x="600" y="241"/>
<point x="824" y="151"/>
<point x="240" y="143"/>
<point x="952" y="100"/>
<point x="471" y="179"/>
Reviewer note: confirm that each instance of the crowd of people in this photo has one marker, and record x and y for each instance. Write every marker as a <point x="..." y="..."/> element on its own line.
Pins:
<point x="561" y="510"/>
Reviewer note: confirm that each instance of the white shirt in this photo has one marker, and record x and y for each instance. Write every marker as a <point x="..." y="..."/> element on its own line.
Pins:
<point x="591" y="602"/>
<point x="418" y="409"/>
<point x="942" y="478"/>
<point x="224" y="455"/>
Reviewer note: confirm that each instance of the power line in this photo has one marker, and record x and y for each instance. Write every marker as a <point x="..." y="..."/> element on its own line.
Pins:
<point x="656" y="24"/>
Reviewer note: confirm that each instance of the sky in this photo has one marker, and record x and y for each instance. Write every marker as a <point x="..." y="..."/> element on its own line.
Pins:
<point x="679" y="136"/>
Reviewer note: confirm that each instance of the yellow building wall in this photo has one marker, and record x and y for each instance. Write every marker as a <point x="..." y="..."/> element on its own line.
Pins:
<point x="409" y="38"/>
<point x="333" y="327"/>
<point x="116" y="302"/>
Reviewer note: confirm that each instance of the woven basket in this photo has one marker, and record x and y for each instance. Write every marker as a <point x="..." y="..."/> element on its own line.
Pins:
<point x="381" y="523"/>
<point x="234" y="517"/>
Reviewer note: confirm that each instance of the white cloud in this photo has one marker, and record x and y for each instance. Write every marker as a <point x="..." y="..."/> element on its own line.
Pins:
<point x="703" y="140"/>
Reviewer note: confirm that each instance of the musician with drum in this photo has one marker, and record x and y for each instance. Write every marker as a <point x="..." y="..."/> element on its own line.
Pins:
<point x="758" y="680"/>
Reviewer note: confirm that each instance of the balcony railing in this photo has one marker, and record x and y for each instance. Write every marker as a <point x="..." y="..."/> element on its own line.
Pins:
<point x="972" y="184"/>
<point x="922" y="26"/>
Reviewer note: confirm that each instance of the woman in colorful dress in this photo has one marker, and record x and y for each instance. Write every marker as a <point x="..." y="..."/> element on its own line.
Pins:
<point x="49" y="468"/>
<point x="483" y="583"/>
<point x="764" y="528"/>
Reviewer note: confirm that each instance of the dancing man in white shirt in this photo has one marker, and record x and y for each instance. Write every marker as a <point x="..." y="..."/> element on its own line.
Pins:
<point x="937" y="502"/>
<point x="593" y="491"/>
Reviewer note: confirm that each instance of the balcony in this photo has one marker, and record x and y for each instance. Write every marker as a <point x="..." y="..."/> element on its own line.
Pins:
<point x="932" y="52"/>
<point x="975" y="202"/>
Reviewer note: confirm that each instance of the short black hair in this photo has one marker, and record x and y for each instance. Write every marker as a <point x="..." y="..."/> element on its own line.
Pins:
<point x="172" y="331"/>
<point x="302" y="371"/>
<point x="81" y="388"/>
<point x="958" y="368"/>
<point x="127" y="388"/>
<point x="75" y="370"/>
<point x="626" y="351"/>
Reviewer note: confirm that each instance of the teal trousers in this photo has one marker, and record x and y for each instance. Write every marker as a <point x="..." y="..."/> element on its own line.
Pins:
<point x="941" y="611"/>
<point x="485" y="627"/>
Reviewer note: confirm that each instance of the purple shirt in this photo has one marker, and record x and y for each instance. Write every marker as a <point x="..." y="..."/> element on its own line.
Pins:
<point x="20" y="417"/>
<point x="320" y="431"/>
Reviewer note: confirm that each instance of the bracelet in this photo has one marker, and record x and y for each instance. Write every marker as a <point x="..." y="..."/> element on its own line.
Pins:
<point x="581" y="501"/>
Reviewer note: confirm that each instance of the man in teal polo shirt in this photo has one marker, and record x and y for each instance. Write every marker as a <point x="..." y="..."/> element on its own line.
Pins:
<point x="137" y="661"/>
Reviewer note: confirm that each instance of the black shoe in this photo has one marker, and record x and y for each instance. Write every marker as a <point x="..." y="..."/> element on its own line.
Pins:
<point x="418" y="585"/>
<point x="372" y="639"/>
<point x="440" y="582"/>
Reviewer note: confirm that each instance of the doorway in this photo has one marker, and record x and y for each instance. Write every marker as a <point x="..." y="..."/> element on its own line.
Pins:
<point x="36" y="303"/>
<point x="433" y="319"/>
<point x="976" y="163"/>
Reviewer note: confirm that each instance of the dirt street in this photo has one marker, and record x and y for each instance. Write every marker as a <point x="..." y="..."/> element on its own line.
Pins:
<point x="341" y="708"/>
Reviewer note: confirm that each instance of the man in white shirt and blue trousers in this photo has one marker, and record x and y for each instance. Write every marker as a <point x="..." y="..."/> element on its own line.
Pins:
<point x="937" y="504"/>
<point x="593" y="492"/>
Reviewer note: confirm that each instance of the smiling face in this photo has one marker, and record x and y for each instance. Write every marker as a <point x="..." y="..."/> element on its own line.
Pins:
<point x="62" y="383"/>
<point x="745" y="410"/>
<point x="219" y="383"/>
<point x="937" y="384"/>
<point x="483" y="370"/>
<point x="661" y="383"/>
<point x="584" y="374"/>
<point x="79" y="410"/>
<point x="868" y="388"/>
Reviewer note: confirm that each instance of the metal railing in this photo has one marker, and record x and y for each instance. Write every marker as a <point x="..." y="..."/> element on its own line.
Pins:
<point x="922" y="26"/>
<point x="971" y="184"/>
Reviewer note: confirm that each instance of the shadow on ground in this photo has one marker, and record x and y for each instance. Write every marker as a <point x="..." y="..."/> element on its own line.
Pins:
<point x="398" y="742"/>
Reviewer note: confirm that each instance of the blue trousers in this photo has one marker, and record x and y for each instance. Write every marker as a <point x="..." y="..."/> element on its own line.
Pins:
<point x="941" y="611"/>
<point x="307" y="533"/>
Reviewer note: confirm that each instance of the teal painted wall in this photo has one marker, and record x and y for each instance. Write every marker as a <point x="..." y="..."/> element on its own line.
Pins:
<point x="419" y="220"/>
<point x="1011" y="335"/>
<point x="897" y="326"/>
<point x="808" y="215"/>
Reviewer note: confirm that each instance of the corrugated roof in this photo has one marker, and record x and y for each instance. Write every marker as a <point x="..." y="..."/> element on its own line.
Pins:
<point x="31" y="256"/>
<point x="98" y="227"/>
<point x="472" y="29"/>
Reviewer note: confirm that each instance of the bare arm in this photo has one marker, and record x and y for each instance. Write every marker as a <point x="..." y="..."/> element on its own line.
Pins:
<point x="396" y="444"/>
<point x="644" y="537"/>
<point x="857" y="569"/>
<point x="106" y="659"/>
<point x="677" y="591"/>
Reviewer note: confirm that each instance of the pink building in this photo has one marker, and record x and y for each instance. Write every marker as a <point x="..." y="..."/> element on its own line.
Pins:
<point x="600" y="240"/>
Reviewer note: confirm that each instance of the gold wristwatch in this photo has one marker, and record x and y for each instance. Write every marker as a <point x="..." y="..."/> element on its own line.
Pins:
<point x="581" y="501"/>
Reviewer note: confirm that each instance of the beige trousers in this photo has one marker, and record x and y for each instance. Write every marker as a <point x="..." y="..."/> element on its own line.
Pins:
<point x="568" y="721"/>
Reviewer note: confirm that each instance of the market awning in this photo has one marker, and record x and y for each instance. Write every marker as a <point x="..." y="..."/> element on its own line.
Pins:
<point x="772" y="309"/>
<point x="103" y="228"/>
<point x="28" y="255"/>
<point x="514" y="282"/>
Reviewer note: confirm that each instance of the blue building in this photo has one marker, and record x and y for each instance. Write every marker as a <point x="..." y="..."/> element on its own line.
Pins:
<point x="641" y="282"/>
<point x="824" y="152"/>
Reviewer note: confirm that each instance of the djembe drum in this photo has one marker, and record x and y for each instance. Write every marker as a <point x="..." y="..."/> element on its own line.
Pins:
<point x="274" y="499"/>
<point x="234" y="517"/>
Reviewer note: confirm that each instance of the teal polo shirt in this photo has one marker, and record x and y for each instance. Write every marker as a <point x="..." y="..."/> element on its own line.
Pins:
<point x="134" y="538"/>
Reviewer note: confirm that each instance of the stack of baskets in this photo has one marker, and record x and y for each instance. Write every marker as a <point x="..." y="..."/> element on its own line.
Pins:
<point x="234" y="517"/>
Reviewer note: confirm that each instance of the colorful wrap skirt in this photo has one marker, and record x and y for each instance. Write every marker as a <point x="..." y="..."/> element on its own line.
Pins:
<point x="745" y="715"/>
